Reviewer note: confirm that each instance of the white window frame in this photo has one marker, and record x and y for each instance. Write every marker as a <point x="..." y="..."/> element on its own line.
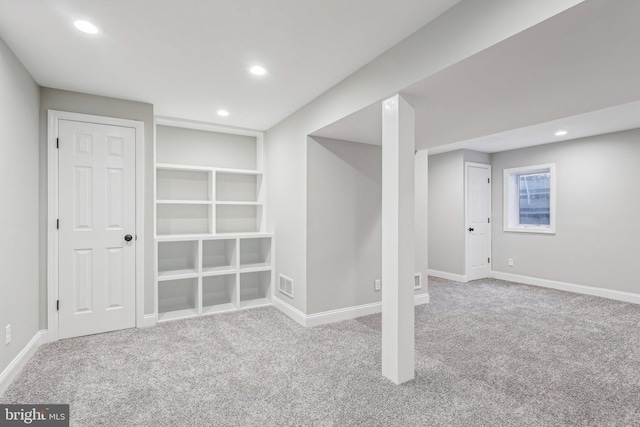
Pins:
<point x="511" y="199"/>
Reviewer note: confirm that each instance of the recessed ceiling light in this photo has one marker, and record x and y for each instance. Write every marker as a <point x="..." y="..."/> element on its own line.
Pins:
<point x="223" y="113"/>
<point x="257" y="70"/>
<point x="86" y="27"/>
<point x="561" y="133"/>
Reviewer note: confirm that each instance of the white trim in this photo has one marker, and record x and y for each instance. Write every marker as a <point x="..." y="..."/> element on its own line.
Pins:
<point x="339" y="315"/>
<point x="149" y="320"/>
<point x="448" y="276"/>
<point x="466" y="217"/>
<point x="52" y="248"/>
<point x="15" y="367"/>
<point x="422" y="299"/>
<point x="290" y="311"/>
<point x="569" y="287"/>
<point x="211" y="127"/>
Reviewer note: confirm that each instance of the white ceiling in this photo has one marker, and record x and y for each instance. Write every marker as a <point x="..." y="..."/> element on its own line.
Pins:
<point x="577" y="71"/>
<point x="190" y="57"/>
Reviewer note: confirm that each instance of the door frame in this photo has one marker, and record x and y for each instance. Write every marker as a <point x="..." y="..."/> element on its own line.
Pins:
<point x="466" y="212"/>
<point x="53" y="117"/>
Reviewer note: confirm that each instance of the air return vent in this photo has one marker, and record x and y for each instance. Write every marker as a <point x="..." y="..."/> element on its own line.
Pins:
<point x="417" y="281"/>
<point x="286" y="286"/>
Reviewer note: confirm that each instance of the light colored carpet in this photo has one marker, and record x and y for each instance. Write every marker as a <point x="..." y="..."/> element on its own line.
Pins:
<point x="488" y="353"/>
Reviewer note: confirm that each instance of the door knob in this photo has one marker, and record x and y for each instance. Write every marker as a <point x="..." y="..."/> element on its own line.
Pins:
<point x="128" y="237"/>
<point x="470" y="229"/>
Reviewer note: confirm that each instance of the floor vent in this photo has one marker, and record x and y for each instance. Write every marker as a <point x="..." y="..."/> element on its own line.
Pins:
<point x="286" y="286"/>
<point x="417" y="281"/>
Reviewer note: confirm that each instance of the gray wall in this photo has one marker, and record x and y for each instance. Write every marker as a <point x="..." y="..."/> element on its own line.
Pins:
<point x="19" y="213"/>
<point x="344" y="228"/>
<point x="597" y="240"/>
<point x="110" y="107"/>
<point x="462" y="31"/>
<point x="205" y="148"/>
<point x="446" y="209"/>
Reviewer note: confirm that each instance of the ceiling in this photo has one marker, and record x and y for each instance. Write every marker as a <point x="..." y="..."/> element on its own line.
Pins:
<point x="190" y="58"/>
<point x="576" y="71"/>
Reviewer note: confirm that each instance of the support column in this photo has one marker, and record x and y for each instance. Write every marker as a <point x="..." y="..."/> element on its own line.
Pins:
<point x="398" y="239"/>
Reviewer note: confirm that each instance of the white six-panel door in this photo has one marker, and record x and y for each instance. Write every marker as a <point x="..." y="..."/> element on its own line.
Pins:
<point x="478" y="226"/>
<point x="96" y="279"/>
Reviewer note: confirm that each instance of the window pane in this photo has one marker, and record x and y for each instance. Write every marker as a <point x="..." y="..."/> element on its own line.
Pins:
<point x="534" y="198"/>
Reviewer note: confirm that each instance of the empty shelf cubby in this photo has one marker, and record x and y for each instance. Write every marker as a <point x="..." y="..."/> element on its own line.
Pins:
<point x="238" y="218"/>
<point x="177" y="298"/>
<point x="218" y="256"/>
<point x="237" y="187"/>
<point x="255" y="288"/>
<point x="177" y="258"/>
<point x="183" y="219"/>
<point x="218" y="293"/>
<point x="255" y="253"/>
<point x="175" y="184"/>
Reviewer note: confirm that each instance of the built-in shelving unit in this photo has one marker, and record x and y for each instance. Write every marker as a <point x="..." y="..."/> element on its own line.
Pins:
<point x="213" y="252"/>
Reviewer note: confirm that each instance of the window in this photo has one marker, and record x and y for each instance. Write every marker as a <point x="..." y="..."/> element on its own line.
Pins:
<point x="529" y="199"/>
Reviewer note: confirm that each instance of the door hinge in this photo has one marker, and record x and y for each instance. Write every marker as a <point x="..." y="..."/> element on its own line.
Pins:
<point x="57" y="142"/>
<point x="57" y="224"/>
<point x="58" y="305"/>
<point x="488" y="180"/>
<point x="488" y="220"/>
<point x="489" y="260"/>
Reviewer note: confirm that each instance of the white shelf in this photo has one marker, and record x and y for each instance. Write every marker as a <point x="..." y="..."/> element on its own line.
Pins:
<point x="250" y="268"/>
<point x="210" y="205"/>
<point x="260" y="302"/>
<point x="171" y="166"/>
<point x="209" y="236"/>
<point x="178" y="314"/>
<point x="238" y="171"/>
<point x="218" y="271"/>
<point x="221" y="308"/>
<point x="240" y="203"/>
<point x="184" y="202"/>
<point x="168" y="166"/>
<point x="177" y="274"/>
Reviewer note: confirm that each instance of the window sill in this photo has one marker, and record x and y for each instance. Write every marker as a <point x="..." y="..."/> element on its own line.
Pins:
<point x="529" y="230"/>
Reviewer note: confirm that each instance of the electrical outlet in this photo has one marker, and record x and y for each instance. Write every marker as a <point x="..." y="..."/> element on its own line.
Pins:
<point x="7" y="334"/>
<point x="510" y="262"/>
<point x="377" y="285"/>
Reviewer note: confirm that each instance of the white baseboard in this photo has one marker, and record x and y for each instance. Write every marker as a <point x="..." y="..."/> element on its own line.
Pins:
<point x="422" y="299"/>
<point x="569" y="287"/>
<point x="290" y="311"/>
<point x="149" y="320"/>
<point x="341" y="314"/>
<point x="16" y="365"/>
<point x="332" y="316"/>
<point x="449" y="276"/>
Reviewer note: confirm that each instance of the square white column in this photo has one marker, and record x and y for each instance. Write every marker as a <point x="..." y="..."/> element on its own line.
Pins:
<point x="398" y="239"/>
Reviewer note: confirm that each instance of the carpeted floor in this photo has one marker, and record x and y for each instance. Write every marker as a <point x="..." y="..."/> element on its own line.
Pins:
<point x="488" y="353"/>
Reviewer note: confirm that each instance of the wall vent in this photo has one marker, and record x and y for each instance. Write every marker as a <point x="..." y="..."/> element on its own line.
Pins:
<point x="286" y="286"/>
<point x="417" y="281"/>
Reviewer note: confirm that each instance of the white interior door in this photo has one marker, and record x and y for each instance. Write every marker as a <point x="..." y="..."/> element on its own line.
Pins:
<point x="478" y="220"/>
<point x="96" y="279"/>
